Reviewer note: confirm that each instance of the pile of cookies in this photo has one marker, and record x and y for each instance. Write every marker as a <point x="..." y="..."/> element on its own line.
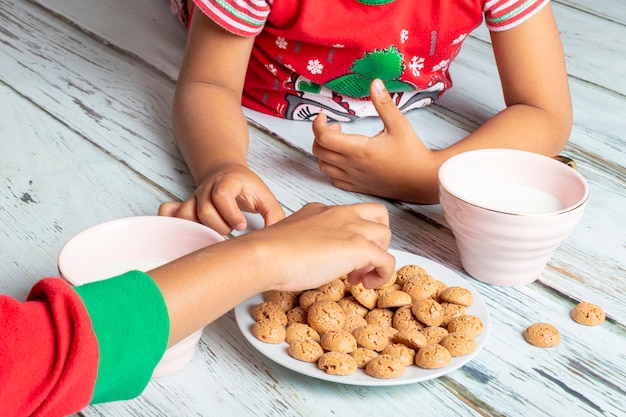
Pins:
<point x="413" y="319"/>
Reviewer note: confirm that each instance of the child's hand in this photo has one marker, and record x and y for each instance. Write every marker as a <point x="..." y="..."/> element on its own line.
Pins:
<point x="394" y="163"/>
<point x="220" y="200"/>
<point x="319" y="243"/>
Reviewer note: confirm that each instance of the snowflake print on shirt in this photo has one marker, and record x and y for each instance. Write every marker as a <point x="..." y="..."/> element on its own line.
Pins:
<point x="281" y="42"/>
<point x="315" y="66"/>
<point x="404" y="35"/>
<point x="416" y="65"/>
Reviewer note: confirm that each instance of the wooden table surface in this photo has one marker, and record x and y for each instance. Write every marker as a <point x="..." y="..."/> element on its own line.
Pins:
<point x="85" y="98"/>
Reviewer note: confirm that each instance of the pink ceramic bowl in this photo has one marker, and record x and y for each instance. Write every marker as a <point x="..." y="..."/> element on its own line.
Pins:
<point x="509" y="211"/>
<point x="143" y="243"/>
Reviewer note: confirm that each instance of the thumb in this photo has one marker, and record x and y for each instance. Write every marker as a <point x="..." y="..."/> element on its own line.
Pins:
<point x="391" y="116"/>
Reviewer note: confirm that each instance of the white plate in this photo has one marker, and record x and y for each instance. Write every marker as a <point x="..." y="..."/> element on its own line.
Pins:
<point x="278" y="353"/>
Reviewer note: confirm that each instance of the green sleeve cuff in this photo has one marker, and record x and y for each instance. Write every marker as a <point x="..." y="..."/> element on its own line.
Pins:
<point x="130" y="320"/>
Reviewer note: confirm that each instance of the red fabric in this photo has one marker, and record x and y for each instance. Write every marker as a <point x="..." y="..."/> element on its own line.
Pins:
<point x="48" y="352"/>
<point x="313" y="56"/>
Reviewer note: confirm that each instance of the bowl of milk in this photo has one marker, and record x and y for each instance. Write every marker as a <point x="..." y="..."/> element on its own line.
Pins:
<point x="509" y="210"/>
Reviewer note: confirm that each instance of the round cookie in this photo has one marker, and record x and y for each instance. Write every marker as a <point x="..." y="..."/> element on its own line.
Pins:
<point x="409" y="271"/>
<point x="542" y="335"/>
<point x="452" y="311"/>
<point x="352" y="322"/>
<point x="337" y="363"/>
<point x="300" y="331"/>
<point x="403" y="319"/>
<point x="286" y="300"/>
<point x="420" y="287"/>
<point x="380" y="316"/>
<point x="338" y="341"/>
<point x="371" y="336"/>
<point x="434" y="334"/>
<point x="366" y="296"/>
<point x="402" y="352"/>
<point x="457" y="295"/>
<point x="326" y="315"/>
<point x="269" y="331"/>
<point x="268" y="310"/>
<point x="432" y="357"/>
<point x="352" y="307"/>
<point x="428" y="311"/>
<point x="413" y="338"/>
<point x="296" y="315"/>
<point x="458" y="344"/>
<point x="469" y="324"/>
<point x="309" y="297"/>
<point x="588" y="314"/>
<point x="393" y="299"/>
<point x="305" y="350"/>
<point x="385" y="367"/>
<point x="334" y="290"/>
<point x="362" y="356"/>
<point x="441" y="286"/>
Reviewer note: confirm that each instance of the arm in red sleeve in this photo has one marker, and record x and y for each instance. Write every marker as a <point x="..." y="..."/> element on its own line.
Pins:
<point x="66" y="347"/>
<point x="48" y="352"/>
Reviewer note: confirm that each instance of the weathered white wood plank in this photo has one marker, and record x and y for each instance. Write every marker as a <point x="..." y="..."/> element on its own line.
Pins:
<point x="54" y="184"/>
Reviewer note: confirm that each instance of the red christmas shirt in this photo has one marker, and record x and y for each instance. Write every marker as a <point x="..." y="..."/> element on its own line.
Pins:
<point x="311" y="56"/>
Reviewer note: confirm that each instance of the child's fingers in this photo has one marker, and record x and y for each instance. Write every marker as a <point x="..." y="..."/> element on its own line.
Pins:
<point x="391" y="116"/>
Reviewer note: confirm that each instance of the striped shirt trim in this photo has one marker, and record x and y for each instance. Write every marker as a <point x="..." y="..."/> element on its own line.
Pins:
<point x="502" y="15"/>
<point x="241" y="17"/>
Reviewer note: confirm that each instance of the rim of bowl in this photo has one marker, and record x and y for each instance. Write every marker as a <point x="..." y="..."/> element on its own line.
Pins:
<point x="63" y="253"/>
<point x="573" y="207"/>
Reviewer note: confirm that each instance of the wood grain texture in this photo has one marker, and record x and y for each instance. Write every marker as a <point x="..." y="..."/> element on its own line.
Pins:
<point x="85" y="97"/>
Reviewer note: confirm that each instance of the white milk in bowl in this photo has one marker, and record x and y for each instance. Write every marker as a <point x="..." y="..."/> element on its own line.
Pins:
<point x="512" y="198"/>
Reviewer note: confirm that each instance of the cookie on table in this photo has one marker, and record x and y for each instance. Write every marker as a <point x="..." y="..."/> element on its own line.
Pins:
<point x="434" y="335"/>
<point x="457" y="295"/>
<point x="384" y="367"/>
<point x="326" y="315"/>
<point x="400" y="351"/>
<point x="468" y="324"/>
<point x="269" y="331"/>
<point x="286" y="300"/>
<point x="338" y="341"/>
<point x="588" y="314"/>
<point x="268" y="310"/>
<point x="337" y="363"/>
<point x="428" y="311"/>
<point x="458" y="344"/>
<point x="362" y="356"/>
<point x="300" y="331"/>
<point x="394" y="299"/>
<point x="380" y="316"/>
<point x="432" y="357"/>
<point x="371" y="336"/>
<point x="543" y="335"/>
<point x="305" y="350"/>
